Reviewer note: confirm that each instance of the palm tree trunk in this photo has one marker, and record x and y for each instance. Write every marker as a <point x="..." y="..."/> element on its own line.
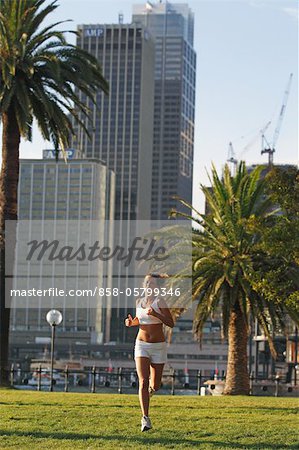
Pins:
<point x="9" y="179"/>
<point x="237" y="377"/>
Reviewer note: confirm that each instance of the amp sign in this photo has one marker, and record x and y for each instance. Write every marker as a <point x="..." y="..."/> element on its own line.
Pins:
<point x="93" y="32"/>
<point x="51" y="154"/>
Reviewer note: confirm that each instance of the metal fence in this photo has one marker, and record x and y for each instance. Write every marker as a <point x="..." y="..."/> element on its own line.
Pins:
<point x="98" y="379"/>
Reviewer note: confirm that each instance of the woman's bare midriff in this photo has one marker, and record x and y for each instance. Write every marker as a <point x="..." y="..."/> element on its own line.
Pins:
<point x="151" y="333"/>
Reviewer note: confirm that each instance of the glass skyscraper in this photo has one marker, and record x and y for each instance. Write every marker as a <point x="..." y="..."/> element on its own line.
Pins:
<point x="121" y="132"/>
<point x="122" y="123"/>
<point x="172" y="27"/>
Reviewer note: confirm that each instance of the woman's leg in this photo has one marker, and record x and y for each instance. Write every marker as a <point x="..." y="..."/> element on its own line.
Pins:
<point x="156" y="371"/>
<point x="143" y="372"/>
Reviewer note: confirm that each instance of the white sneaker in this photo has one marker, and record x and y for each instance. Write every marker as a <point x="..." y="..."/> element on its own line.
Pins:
<point x="151" y="391"/>
<point x="145" y="423"/>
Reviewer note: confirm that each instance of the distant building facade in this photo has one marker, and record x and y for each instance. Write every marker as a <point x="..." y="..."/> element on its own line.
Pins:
<point x="81" y="190"/>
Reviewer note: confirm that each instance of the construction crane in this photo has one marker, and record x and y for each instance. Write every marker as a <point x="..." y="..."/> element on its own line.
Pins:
<point x="231" y="158"/>
<point x="270" y="148"/>
<point x="254" y="139"/>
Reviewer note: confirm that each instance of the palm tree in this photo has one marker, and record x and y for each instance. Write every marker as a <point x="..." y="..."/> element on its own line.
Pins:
<point x="38" y="77"/>
<point x="226" y="255"/>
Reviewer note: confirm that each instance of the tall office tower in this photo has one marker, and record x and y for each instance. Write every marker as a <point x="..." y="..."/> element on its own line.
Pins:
<point x="73" y="196"/>
<point x="122" y="127"/>
<point x="121" y="134"/>
<point x="171" y="25"/>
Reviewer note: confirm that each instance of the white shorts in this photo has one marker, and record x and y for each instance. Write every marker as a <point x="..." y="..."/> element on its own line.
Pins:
<point x="155" y="351"/>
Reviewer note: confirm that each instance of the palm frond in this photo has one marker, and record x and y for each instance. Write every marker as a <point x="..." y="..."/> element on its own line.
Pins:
<point x="226" y="252"/>
<point x="41" y="74"/>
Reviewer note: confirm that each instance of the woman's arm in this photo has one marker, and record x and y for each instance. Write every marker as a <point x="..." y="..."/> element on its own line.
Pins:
<point x="166" y="317"/>
<point x="130" y="322"/>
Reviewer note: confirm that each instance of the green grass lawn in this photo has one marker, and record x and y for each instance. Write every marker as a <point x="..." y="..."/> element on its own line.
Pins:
<point x="42" y="420"/>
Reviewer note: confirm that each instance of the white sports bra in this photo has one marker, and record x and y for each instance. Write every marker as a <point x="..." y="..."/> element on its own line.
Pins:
<point x="143" y="317"/>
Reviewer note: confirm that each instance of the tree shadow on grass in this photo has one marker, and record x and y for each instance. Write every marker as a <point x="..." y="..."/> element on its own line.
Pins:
<point x="145" y="439"/>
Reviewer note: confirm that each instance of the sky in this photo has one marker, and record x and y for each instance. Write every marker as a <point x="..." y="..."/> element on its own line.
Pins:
<point x="246" y="50"/>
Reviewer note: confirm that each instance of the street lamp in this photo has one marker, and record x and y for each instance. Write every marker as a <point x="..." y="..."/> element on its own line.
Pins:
<point x="54" y="317"/>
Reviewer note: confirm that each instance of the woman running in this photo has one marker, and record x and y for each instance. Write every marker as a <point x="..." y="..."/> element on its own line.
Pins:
<point x="150" y="347"/>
